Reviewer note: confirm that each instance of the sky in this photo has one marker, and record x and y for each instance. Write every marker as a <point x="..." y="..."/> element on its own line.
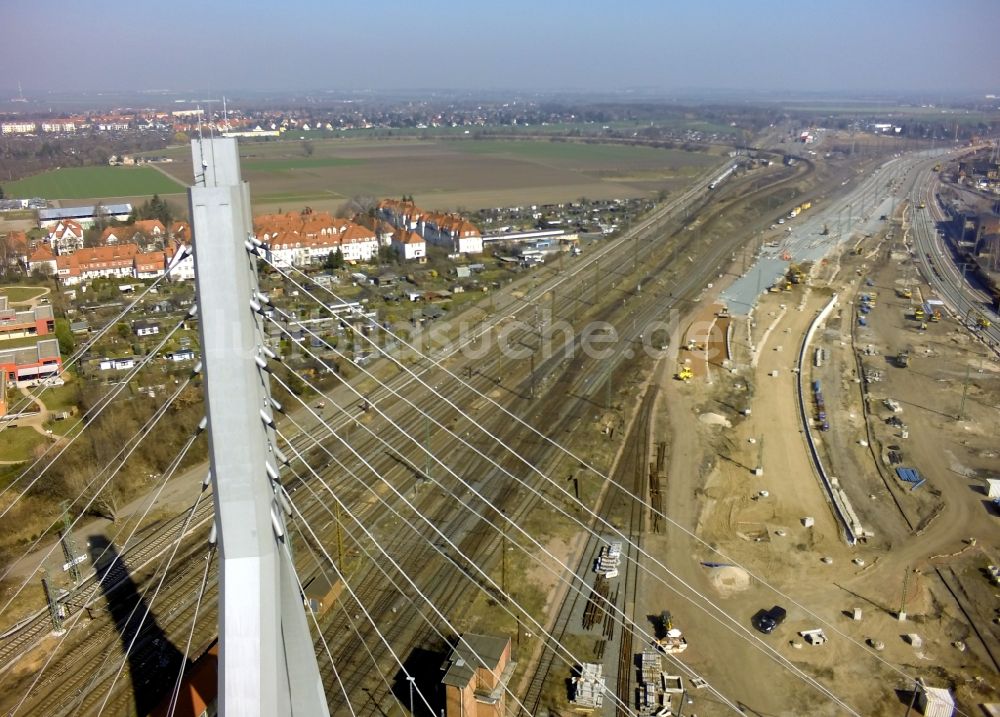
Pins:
<point x="837" y="45"/>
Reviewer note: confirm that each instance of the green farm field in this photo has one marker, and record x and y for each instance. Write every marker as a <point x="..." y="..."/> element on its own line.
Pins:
<point x="90" y="182"/>
<point x="452" y="173"/>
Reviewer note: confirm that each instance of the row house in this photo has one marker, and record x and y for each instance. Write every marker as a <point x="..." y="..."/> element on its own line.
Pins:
<point x="102" y="261"/>
<point x="410" y="246"/>
<point x="400" y="213"/>
<point x="18" y="127"/>
<point x="59" y="126"/>
<point x="150" y="265"/>
<point x="302" y="239"/>
<point x="116" y="261"/>
<point x="453" y="231"/>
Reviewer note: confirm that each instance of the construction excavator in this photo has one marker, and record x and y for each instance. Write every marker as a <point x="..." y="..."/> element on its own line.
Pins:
<point x="684" y="374"/>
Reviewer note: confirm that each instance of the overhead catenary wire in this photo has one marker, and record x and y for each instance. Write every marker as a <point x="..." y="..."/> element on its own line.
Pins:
<point x="540" y="628"/>
<point x="178" y="459"/>
<point x="438" y="363"/>
<point x="387" y="556"/>
<point x="735" y="627"/>
<point x="121" y="458"/>
<point x="537" y="544"/>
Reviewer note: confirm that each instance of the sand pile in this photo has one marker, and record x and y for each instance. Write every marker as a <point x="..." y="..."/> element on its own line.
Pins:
<point x="714" y="419"/>
<point x="728" y="579"/>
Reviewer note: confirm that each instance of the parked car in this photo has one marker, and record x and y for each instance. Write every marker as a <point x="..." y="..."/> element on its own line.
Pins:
<point x="767" y="620"/>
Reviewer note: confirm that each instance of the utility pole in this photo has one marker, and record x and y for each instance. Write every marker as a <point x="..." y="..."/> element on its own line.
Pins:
<point x="340" y="540"/>
<point x="55" y="609"/>
<point x="267" y="666"/>
<point x="68" y="546"/>
<point x="531" y="376"/>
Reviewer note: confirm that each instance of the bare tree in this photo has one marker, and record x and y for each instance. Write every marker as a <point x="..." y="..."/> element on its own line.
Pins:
<point x="360" y="204"/>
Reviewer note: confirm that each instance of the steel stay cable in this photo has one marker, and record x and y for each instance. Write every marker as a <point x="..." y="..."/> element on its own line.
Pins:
<point x="176" y="462"/>
<point x="361" y="605"/>
<point x="326" y="646"/>
<point x="622" y="489"/>
<point x="541" y="629"/>
<point x="122" y="458"/>
<point x="92" y="415"/>
<point x="149" y="606"/>
<point x="393" y="562"/>
<point x="341" y="607"/>
<point x="737" y="628"/>
<point x="176" y="692"/>
<point x="82" y="350"/>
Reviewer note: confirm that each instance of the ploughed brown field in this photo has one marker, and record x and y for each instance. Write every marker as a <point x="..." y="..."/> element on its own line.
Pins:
<point x="442" y="174"/>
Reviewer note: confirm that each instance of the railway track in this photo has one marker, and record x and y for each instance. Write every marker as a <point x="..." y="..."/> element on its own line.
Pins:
<point x="647" y="240"/>
<point x="95" y="587"/>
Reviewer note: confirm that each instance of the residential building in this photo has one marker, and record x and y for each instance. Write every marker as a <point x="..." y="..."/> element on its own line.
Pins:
<point x="59" y="126"/>
<point x="15" y="249"/>
<point x="358" y="243"/>
<point x="182" y="355"/>
<point x="476" y="676"/>
<point x="150" y="265"/>
<point x="15" y="324"/>
<point x="301" y="239"/>
<point x="43" y="260"/>
<point x="103" y="261"/>
<point x="65" y="236"/>
<point x="28" y="365"/>
<point x="152" y="228"/>
<point x="184" y="269"/>
<point x="18" y="127"/>
<point x="410" y="246"/>
<point x="450" y="230"/>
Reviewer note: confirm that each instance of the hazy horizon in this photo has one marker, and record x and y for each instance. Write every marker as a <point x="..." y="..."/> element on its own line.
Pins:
<point x="659" y="48"/>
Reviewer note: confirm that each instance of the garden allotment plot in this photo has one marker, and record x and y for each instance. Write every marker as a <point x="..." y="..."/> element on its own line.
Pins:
<point x="446" y="174"/>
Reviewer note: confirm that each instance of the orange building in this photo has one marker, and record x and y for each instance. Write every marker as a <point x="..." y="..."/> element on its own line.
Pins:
<point x="476" y="676"/>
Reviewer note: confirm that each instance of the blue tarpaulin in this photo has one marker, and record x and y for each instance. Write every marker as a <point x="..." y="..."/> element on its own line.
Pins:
<point x="910" y="475"/>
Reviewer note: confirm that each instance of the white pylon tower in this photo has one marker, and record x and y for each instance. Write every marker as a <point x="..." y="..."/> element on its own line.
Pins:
<point x="267" y="663"/>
